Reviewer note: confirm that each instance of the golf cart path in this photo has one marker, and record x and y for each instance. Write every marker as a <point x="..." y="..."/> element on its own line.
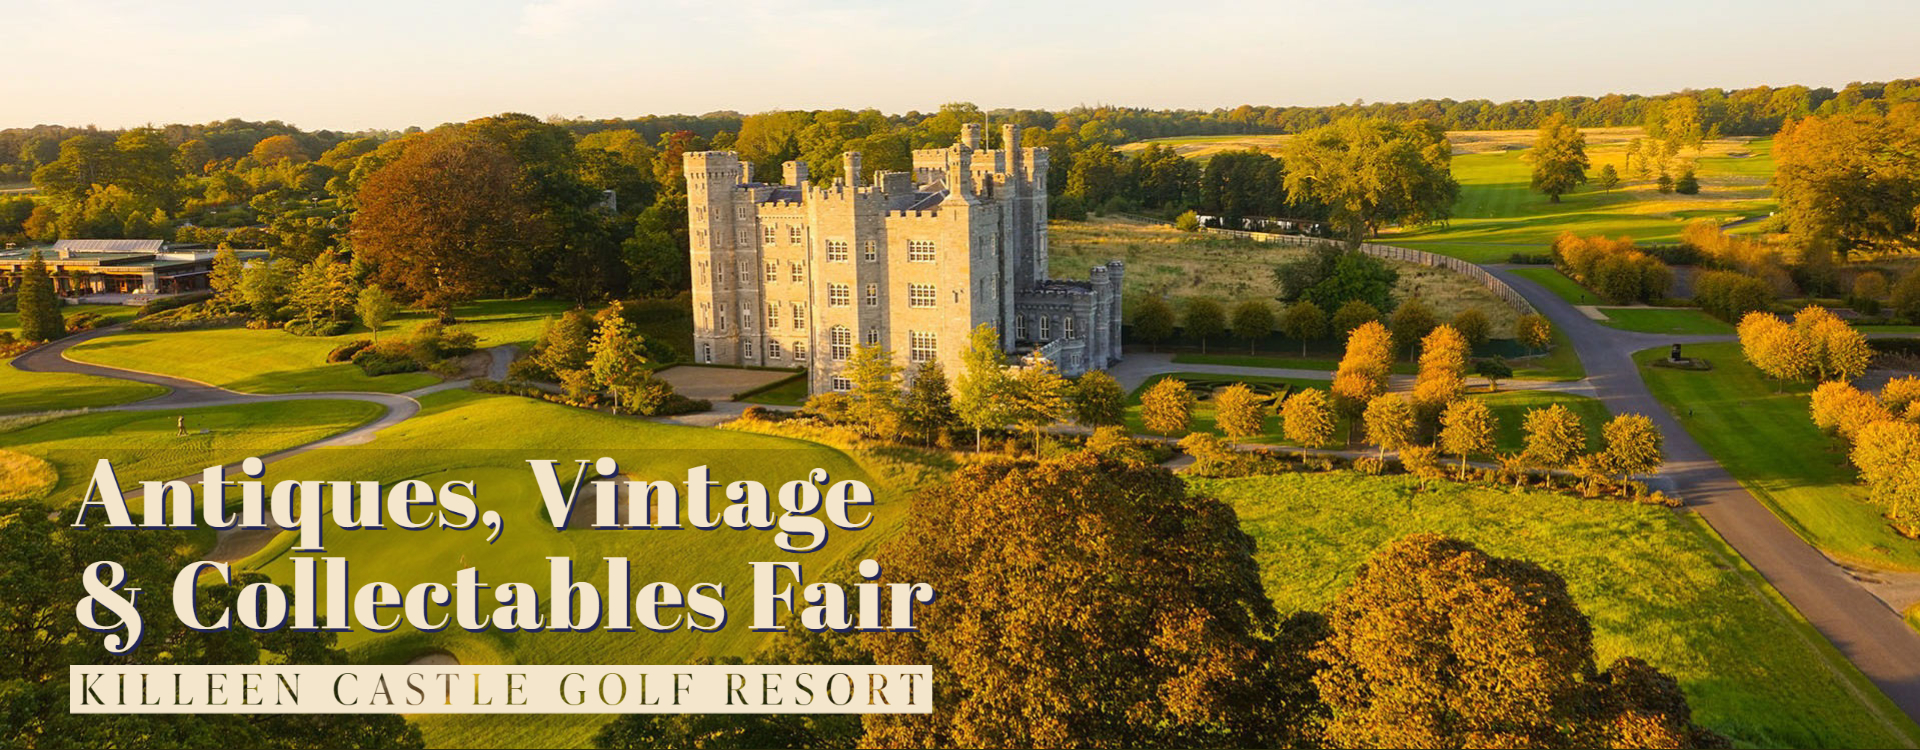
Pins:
<point x="1863" y="627"/>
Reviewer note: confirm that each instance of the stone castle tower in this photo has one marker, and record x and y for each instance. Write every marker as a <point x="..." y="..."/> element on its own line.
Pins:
<point x="796" y="274"/>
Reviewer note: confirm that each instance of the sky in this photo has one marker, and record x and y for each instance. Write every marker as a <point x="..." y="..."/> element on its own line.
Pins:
<point x="389" y="64"/>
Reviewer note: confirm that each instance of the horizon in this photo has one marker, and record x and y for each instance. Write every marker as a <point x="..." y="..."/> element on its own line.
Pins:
<point x="595" y="59"/>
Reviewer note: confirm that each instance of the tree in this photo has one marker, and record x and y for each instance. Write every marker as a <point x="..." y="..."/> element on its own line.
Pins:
<point x="324" y="291"/>
<point x="1559" y="157"/>
<point x="1239" y="412"/>
<point x="1411" y="322"/>
<point x="1437" y="644"/>
<point x="1728" y="295"/>
<point x="1204" y="319"/>
<point x="1887" y="454"/>
<point x="1839" y="350"/>
<point x="1307" y="418"/>
<point x="224" y="278"/>
<point x="1443" y="367"/>
<point x="875" y="394"/>
<point x="1040" y="396"/>
<point x="981" y="391"/>
<point x="277" y="149"/>
<point x="1153" y="320"/>
<point x="1494" y="369"/>
<point x="1166" y="408"/>
<point x="1906" y="296"/>
<point x="448" y="220"/>
<point x="1848" y="181"/>
<point x="1554" y="436"/>
<point x="1353" y="314"/>
<point x="1098" y="400"/>
<point x="1368" y="172"/>
<point x="1633" y="445"/>
<point x="40" y="318"/>
<point x="1609" y="177"/>
<point x="1775" y="348"/>
<point x="929" y="402"/>
<point x="1305" y="322"/>
<point x="1040" y="564"/>
<point x="265" y="284"/>
<point x="1330" y="277"/>
<point x="1187" y="222"/>
<point x="1252" y="321"/>
<point x="1688" y="184"/>
<point x="1468" y="428"/>
<point x="1364" y="368"/>
<point x="1900" y="393"/>
<point x="1535" y="332"/>
<point x="375" y="307"/>
<point x="619" y="363"/>
<point x="1868" y="289"/>
<point x="1390" y="423"/>
<point x="1473" y="325"/>
<point x="1844" y="411"/>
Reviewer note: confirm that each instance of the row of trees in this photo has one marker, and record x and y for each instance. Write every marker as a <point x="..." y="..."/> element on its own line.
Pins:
<point x="1816" y="346"/>
<point x="1882" y="437"/>
<point x="1613" y="268"/>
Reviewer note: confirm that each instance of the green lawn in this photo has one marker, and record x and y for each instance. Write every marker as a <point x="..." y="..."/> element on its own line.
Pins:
<point x="22" y="392"/>
<point x="1498" y="215"/>
<point x="789" y="392"/>
<point x="1560" y="363"/>
<point x="243" y="359"/>
<point x="1203" y="410"/>
<point x="146" y="445"/>
<point x="1762" y="434"/>
<point x="494" y="322"/>
<point x="488" y="439"/>
<point x="1683" y="320"/>
<point x="1656" y="584"/>
<point x="1558" y="283"/>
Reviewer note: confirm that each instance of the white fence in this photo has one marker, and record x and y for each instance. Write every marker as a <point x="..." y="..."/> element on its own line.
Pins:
<point x="1493" y="283"/>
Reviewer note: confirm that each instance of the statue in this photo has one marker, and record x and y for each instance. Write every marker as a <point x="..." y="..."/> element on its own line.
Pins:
<point x="1675" y="356"/>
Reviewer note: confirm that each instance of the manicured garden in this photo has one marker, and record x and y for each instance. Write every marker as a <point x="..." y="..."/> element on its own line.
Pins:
<point x="1760" y="431"/>
<point x="1656" y="584"/>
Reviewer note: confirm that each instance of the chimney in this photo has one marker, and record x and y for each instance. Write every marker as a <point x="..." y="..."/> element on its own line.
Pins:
<point x="960" y="173"/>
<point x="746" y="172"/>
<point x="793" y="173"/>
<point x="851" y="167"/>
<point x="970" y="135"/>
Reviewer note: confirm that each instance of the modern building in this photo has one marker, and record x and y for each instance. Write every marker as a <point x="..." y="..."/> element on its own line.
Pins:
<point x="796" y="274"/>
<point x="139" y="267"/>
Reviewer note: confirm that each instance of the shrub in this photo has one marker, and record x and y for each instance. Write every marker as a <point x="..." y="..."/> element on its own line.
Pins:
<point x="312" y="327"/>
<point x="345" y="352"/>
<point x="1187" y="222"/>
<point x="1370" y="465"/>
<point x="86" y="322"/>
<point x="386" y="358"/>
<point x="198" y="315"/>
<point x="1612" y="268"/>
<point x="1730" y="296"/>
<point x="163" y="304"/>
<point x="1687" y="184"/>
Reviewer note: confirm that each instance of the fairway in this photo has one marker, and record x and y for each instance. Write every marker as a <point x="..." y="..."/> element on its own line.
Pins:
<point x="1760" y="431"/>
<point x="243" y="359"/>
<point x="488" y="440"/>
<point x="1656" y="584"/>
<point x="1684" y="320"/>
<point x="146" y="445"/>
<point x="1498" y="214"/>
<point x="22" y="392"/>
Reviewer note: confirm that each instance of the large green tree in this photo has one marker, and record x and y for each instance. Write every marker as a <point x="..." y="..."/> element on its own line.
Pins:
<point x="1559" y="158"/>
<point x="40" y="318"/>
<point x="1851" y="182"/>
<point x="1369" y="172"/>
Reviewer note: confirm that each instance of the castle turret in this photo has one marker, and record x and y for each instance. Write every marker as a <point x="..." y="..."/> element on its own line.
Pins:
<point x="712" y="178"/>
<point x="793" y="173"/>
<point x="971" y="135"/>
<point x="746" y="172"/>
<point x="960" y="174"/>
<point x="851" y="168"/>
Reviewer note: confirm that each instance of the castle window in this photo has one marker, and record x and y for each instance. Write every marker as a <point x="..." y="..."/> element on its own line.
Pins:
<point x="1066" y="327"/>
<point x="773" y="350"/>
<point x="799" y="315"/>
<point x="1020" y="327"/>
<point x="767" y="234"/>
<point x="746" y="320"/>
<point x="1046" y="328"/>
<point x="797" y="274"/>
<point x="706" y="353"/>
<point x="839" y="343"/>
<point x="773" y="270"/>
<point x="746" y="273"/>
<point x="873" y="295"/>
<point x="873" y="337"/>
<point x="871" y="252"/>
<point x="842" y="384"/>
<point x="920" y="251"/>
<point x="773" y="315"/>
<point x="920" y="295"/>
<point x="839" y="295"/>
<point x="793" y="235"/>
<point x="837" y="251"/>
<point x="922" y="346"/>
<point x="799" y="351"/>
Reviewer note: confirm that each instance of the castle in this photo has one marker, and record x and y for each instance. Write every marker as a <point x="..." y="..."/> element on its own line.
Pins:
<point x="796" y="274"/>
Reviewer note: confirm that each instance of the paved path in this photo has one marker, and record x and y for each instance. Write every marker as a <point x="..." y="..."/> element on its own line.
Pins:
<point x="1868" y="632"/>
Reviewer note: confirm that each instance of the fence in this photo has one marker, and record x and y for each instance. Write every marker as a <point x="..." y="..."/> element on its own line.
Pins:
<point x="1389" y="252"/>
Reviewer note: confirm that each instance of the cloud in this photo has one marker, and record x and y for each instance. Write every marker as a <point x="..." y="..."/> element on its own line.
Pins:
<point x="552" y="18"/>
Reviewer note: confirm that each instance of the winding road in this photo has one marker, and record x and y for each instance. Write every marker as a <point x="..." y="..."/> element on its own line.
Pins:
<point x="1865" y="629"/>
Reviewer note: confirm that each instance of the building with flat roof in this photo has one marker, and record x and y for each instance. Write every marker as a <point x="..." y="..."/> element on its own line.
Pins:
<point x="797" y="273"/>
<point x="143" y="267"/>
